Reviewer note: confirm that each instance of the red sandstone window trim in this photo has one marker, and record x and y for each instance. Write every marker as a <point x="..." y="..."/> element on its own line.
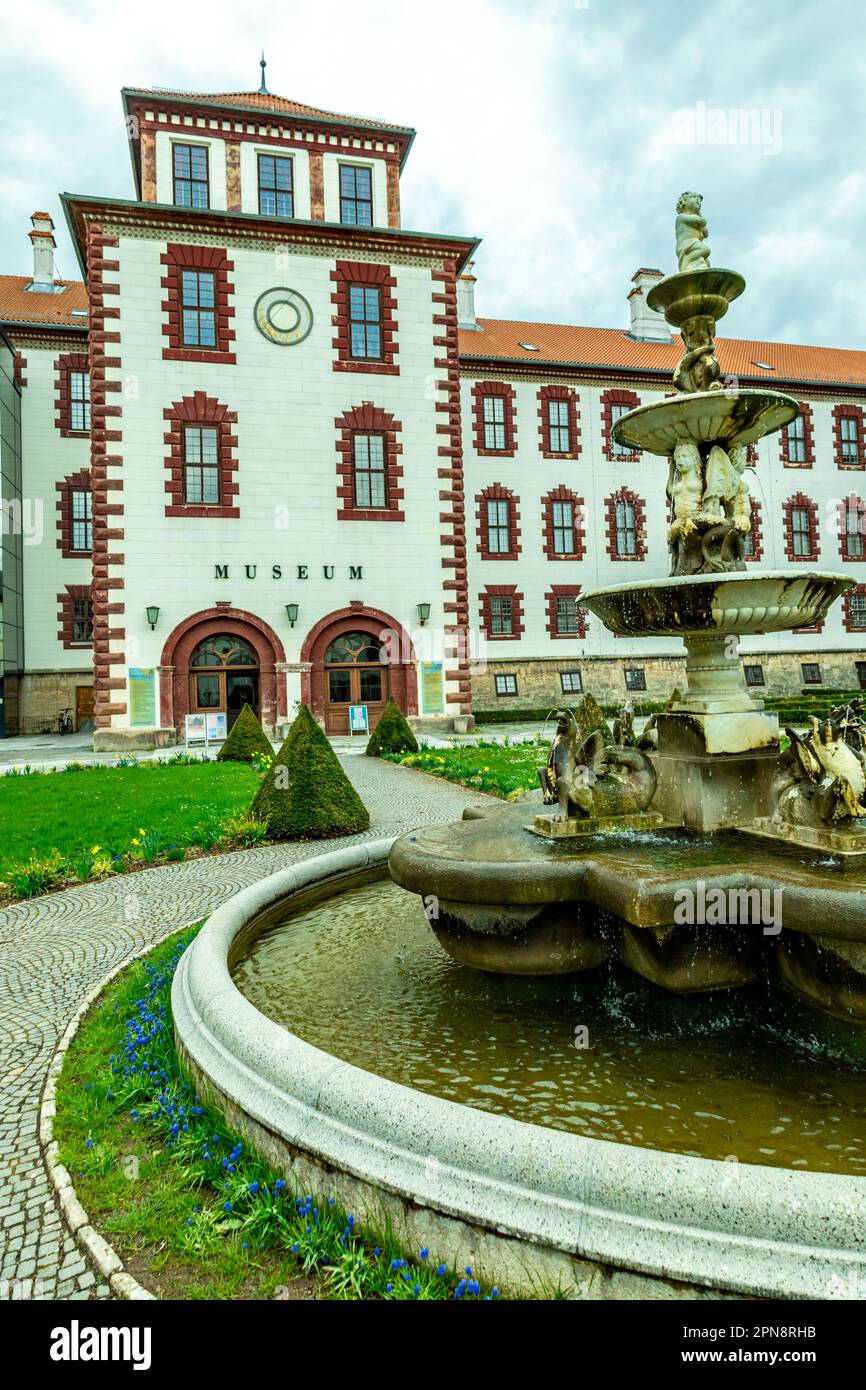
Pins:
<point x="560" y="395"/>
<point x="848" y="423"/>
<point x="67" y="489"/>
<point x="508" y="506"/>
<point x="798" y="450"/>
<point x="625" y="495"/>
<point x="563" y="591"/>
<point x="348" y="275"/>
<point x="616" y="396"/>
<point x="800" y="502"/>
<point x="480" y="392"/>
<point x="852" y="542"/>
<point x="210" y="259"/>
<point x="73" y="598"/>
<point x="205" y="412"/>
<point x="67" y="364"/>
<point x="854" y="619"/>
<point x="368" y="419"/>
<point x="562" y="495"/>
<point x="486" y="612"/>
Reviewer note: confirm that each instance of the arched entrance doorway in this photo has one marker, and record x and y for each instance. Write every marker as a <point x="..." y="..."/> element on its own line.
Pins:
<point x="218" y="660"/>
<point x="358" y="655"/>
<point x="224" y="675"/>
<point x="354" y="675"/>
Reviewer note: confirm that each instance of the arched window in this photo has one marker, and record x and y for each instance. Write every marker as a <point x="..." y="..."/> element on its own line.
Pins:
<point x="224" y="675"/>
<point x="353" y="647"/>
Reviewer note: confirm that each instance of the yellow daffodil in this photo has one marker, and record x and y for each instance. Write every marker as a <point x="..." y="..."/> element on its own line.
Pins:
<point x="134" y="841"/>
<point x="96" y="849"/>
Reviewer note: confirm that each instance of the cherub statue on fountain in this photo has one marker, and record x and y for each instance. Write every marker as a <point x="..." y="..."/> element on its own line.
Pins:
<point x="693" y="253"/>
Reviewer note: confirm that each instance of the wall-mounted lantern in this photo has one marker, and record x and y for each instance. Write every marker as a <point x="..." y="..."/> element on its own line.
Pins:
<point x="152" y="616"/>
<point x="292" y="613"/>
<point x="423" y="613"/>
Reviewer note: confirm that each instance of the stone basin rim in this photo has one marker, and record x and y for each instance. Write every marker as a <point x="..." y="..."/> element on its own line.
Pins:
<point x="696" y="581"/>
<point x="788" y="1233"/>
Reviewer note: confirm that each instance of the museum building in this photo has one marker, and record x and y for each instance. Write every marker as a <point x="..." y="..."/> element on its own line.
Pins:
<point x="265" y="451"/>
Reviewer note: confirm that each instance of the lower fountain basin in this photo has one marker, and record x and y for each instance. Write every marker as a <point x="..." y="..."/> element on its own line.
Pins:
<point x="517" y="1200"/>
<point x="705" y="417"/>
<point x="741" y="603"/>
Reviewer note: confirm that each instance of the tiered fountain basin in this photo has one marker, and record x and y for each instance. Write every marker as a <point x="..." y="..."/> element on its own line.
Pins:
<point x="705" y="417"/>
<point x="674" y="1155"/>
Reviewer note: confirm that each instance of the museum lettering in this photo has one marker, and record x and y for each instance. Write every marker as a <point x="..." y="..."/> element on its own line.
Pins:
<point x="277" y="571"/>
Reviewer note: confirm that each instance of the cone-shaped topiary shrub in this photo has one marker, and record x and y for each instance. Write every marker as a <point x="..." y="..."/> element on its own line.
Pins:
<point x="246" y="738"/>
<point x="305" y="794"/>
<point x="590" y="716"/>
<point x="392" y="734"/>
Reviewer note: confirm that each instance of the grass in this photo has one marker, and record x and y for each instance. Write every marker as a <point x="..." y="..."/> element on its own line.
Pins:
<point x="501" y="769"/>
<point x="191" y="1213"/>
<point x="97" y="813"/>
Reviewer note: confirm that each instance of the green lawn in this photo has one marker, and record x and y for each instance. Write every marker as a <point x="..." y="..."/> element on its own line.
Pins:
<point x="74" y="811"/>
<point x="498" y="768"/>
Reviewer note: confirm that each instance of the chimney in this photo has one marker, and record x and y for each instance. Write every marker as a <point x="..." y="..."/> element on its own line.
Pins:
<point x="42" y="239"/>
<point x="466" y="299"/>
<point x="647" y="325"/>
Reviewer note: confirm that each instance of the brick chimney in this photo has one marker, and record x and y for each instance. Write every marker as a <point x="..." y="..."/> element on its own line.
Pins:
<point x="647" y="325"/>
<point x="466" y="299"/>
<point x="42" y="239"/>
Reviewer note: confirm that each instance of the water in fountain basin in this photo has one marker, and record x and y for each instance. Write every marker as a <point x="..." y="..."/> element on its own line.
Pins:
<point x="362" y="977"/>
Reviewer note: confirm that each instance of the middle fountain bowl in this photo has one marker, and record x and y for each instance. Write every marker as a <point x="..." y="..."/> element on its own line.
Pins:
<point x="726" y="417"/>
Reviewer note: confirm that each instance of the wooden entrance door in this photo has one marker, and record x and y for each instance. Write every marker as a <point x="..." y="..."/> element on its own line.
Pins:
<point x="354" y="675"/>
<point x="224" y="675"/>
<point x="83" y="705"/>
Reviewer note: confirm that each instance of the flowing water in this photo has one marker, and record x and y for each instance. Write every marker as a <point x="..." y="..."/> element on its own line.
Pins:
<point x="746" y="1075"/>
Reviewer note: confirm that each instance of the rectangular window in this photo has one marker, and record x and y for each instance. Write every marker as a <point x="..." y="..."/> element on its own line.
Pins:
<point x="617" y="410"/>
<point x="626" y="529"/>
<point x="498" y="528"/>
<point x="854" y="525"/>
<point x="365" y="321"/>
<point x="797" y="440"/>
<point x="356" y="195"/>
<point x="501" y="616"/>
<point x="563" y="527"/>
<point x="198" y="308"/>
<point x="369" y="455"/>
<point x="190" y="169"/>
<point x="754" y="675"/>
<point x="276" y="187"/>
<point x="82" y="519"/>
<point x="857" y="608"/>
<point x="79" y="401"/>
<point x="801" y="532"/>
<point x="82" y="620"/>
<point x="571" y="682"/>
<point x="494" y="422"/>
<point x="860" y="667"/>
<point x="505" y="685"/>
<point x="635" y="678"/>
<point x="811" y="673"/>
<point x="566" y="613"/>
<point x="201" y="465"/>
<point x="560" y="433"/>
<point x="849" y="435"/>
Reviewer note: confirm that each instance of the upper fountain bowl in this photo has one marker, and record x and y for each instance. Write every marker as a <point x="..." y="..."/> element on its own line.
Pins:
<point x="695" y="293"/>
<point x="726" y="417"/>
<point x="775" y="601"/>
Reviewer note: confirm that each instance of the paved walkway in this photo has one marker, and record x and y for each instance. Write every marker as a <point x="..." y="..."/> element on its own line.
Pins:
<point x="55" y="950"/>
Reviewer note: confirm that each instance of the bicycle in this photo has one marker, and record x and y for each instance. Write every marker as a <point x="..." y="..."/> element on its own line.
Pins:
<point x="64" y="723"/>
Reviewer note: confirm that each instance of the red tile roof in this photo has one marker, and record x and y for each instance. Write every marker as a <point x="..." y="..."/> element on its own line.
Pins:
<point x="20" y="305"/>
<point x="502" y="339"/>
<point x="261" y="101"/>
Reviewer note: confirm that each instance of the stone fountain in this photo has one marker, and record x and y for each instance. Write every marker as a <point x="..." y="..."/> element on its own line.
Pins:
<point x="706" y="802"/>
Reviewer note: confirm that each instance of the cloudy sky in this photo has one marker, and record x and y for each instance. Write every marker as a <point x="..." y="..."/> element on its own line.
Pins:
<point x="560" y="131"/>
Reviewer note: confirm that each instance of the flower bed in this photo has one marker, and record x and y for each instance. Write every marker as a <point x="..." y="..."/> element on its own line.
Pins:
<point x="90" y="822"/>
<point x="503" y="769"/>
<point x="187" y="1208"/>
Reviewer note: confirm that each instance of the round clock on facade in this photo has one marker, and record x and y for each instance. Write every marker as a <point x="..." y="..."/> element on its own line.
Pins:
<point x="283" y="316"/>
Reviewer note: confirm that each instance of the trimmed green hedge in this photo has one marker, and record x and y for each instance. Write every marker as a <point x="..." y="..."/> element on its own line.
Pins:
<point x="305" y="794"/>
<point x="392" y="734"/>
<point x="246" y="738"/>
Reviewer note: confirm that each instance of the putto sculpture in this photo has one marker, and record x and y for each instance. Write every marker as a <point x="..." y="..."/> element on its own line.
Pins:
<point x="693" y="252"/>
